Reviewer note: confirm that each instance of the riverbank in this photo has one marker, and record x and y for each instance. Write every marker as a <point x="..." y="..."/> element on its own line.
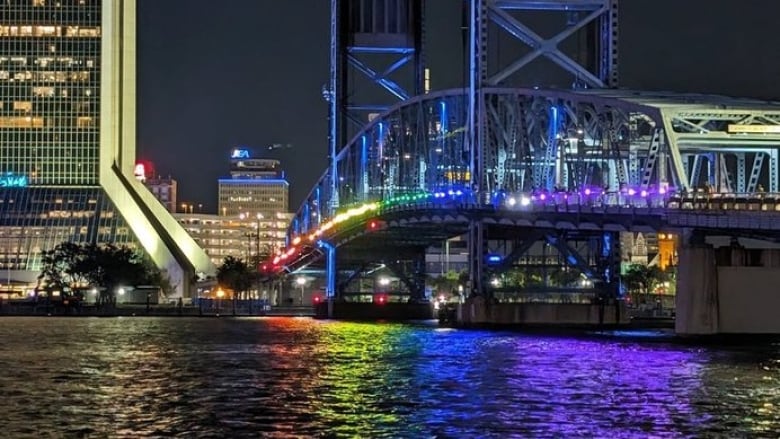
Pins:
<point x="156" y="311"/>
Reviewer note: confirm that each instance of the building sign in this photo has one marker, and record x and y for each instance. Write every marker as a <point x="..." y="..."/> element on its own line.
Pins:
<point x="240" y="153"/>
<point x="754" y="129"/>
<point x="9" y="179"/>
<point x="140" y="172"/>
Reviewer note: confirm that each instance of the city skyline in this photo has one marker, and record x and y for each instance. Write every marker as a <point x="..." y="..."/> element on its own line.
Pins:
<point x="219" y="91"/>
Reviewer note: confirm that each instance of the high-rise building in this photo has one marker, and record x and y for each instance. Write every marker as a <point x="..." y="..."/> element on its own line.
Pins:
<point x="67" y="139"/>
<point x="164" y="189"/>
<point x="256" y="186"/>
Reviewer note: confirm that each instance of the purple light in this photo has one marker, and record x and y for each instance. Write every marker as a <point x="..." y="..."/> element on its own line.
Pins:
<point x="587" y="191"/>
<point x="662" y="190"/>
<point x="643" y="193"/>
<point x="542" y="197"/>
<point x="631" y="192"/>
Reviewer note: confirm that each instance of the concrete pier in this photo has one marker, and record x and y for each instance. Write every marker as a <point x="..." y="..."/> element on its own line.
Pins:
<point x="392" y="311"/>
<point x="727" y="290"/>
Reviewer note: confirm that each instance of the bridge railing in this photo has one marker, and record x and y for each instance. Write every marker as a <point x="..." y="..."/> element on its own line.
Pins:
<point x="755" y="210"/>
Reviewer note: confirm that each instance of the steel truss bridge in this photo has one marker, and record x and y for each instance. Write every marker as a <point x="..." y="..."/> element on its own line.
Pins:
<point x="569" y="168"/>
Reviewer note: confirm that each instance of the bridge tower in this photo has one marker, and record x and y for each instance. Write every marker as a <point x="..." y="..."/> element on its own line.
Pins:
<point x="596" y="66"/>
<point x="376" y="60"/>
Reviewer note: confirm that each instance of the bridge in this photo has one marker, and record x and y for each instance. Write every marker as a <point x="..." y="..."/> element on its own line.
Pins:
<point x="508" y="168"/>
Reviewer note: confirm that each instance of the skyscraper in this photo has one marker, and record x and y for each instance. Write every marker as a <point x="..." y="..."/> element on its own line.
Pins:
<point x="67" y="139"/>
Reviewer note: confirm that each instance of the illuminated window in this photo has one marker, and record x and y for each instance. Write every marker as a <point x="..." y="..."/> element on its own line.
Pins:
<point x="21" y="122"/>
<point x="82" y="31"/>
<point x="24" y="106"/>
<point x="43" y="92"/>
<point x="84" y="122"/>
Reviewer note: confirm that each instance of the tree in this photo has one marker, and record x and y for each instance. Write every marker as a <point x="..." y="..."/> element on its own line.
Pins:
<point x="447" y="282"/>
<point x="58" y="267"/>
<point x="107" y="266"/>
<point x="642" y="278"/>
<point x="234" y="273"/>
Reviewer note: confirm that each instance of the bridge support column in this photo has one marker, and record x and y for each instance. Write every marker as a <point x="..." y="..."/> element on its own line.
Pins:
<point x="697" y="287"/>
<point x="727" y="290"/>
<point x="476" y="247"/>
<point x="331" y="271"/>
<point x="609" y="267"/>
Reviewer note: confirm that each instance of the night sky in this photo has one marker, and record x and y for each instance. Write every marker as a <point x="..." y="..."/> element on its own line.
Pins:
<point x="215" y="75"/>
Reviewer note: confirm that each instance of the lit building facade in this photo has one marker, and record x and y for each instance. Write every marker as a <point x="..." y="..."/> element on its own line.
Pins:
<point x="164" y="189"/>
<point x="222" y="236"/>
<point x="67" y="140"/>
<point x="256" y="186"/>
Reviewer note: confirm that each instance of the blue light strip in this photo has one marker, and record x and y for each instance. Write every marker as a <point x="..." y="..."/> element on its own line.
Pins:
<point x="381" y="143"/>
<point x="363" y="169"/>
<point x="330" y="268"/>
<point x="319" y="206"/>
<point x="549" y="161"/>
<point x="443" y="117"/>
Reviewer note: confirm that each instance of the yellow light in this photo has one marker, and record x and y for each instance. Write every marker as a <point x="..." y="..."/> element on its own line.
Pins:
<point x="220" y="293"/>
<point x="297" y="240"/>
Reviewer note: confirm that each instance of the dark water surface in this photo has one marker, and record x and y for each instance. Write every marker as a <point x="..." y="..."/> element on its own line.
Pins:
<point x="287" y="377"/>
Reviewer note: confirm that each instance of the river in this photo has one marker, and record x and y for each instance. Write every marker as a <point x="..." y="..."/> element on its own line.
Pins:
<point x="297" y="377"/>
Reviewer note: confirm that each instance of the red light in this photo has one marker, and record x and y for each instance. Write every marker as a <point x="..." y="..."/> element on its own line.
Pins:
<point x="372" y="225"/>
<point x="316" y="299"/>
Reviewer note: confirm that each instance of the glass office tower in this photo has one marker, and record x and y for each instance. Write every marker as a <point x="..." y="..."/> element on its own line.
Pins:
<point x="67" y="140"/>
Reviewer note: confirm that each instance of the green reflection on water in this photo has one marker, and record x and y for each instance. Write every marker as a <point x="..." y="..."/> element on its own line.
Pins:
<point x="366" y="375"/>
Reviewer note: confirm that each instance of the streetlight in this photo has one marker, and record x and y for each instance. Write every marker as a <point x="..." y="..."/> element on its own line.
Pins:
<point x="301" y="281"/>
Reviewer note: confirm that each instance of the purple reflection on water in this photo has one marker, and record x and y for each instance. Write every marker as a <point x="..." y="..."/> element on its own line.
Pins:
<point x="565" y="387"/>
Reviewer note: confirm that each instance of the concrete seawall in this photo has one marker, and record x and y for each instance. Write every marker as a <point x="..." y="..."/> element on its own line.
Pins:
<point x="478" y="312"/>
<point x="372" y="311"/>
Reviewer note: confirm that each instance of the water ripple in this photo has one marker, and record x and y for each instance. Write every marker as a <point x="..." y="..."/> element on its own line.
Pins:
<point x="276" y="377"/>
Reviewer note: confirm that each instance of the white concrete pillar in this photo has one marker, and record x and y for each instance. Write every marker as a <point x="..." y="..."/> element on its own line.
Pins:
<point x="697" y="290"/>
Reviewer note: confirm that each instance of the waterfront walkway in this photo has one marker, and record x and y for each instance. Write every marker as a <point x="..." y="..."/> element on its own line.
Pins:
<point x="156" y="310"/>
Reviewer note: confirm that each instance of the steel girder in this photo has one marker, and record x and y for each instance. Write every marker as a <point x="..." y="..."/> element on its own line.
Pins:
<point x="361" y="32"/>
<point x="598" y="19"/>
<point x="724" y="139"/>
<point x="422" y="145"/>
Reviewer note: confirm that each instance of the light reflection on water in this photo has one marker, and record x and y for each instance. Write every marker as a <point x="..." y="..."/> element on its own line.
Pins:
<point x="276" y="377"/>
